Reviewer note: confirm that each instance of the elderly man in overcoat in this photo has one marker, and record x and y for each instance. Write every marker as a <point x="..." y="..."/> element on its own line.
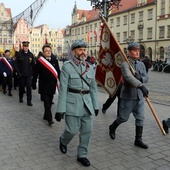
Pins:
<point x="78" y="101"/>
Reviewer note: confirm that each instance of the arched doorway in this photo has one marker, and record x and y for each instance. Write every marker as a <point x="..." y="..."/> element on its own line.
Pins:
<point x="125" y="51"/>
<point x="91" y="52"/>
<point x="150" y="53"/>
<point x="162" y="52"/>
<point x="142" y="51"/>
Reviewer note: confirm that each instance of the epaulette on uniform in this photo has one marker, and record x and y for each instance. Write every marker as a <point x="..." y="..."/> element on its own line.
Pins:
<point x="66" y="62"/>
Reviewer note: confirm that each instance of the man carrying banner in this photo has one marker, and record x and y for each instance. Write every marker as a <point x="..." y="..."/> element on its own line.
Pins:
<point x="132" y="95"/>
<point x="78" y="101"/>
<point x="47" y="68"/>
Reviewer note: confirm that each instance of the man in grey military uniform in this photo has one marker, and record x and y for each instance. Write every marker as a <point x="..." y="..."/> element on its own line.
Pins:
<point x="132" y="95"/>
<point x="78" y="101"/>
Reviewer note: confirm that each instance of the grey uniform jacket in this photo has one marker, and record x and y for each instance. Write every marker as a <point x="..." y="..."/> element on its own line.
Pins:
<point x="130" y="88"/>
<point x="74" y="103"/>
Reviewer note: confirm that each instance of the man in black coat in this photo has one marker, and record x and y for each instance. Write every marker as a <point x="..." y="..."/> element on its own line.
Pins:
<point x="24" y="65"/>
<point x="47" y="68"/>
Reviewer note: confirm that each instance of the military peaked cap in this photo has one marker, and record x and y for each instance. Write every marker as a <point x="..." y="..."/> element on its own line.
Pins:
<point x="25" y="43"/>
<point x="133" y="46"/>
<point x="78" y="44"/>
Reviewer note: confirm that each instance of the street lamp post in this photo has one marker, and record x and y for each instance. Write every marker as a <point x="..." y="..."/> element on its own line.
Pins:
<point x="104" y="6"/>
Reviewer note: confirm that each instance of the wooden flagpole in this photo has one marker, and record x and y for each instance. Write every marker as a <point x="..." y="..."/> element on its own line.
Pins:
<point x="133" y="72"/>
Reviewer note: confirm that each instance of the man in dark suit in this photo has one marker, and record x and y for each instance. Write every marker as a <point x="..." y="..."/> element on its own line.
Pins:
<point x="24" y="64"/>
<point x="132" y="95"/>
<point x="47" y="68"/>
<point x="7" y="70"/>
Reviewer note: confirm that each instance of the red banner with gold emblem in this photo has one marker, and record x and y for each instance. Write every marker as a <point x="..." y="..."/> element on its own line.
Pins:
<point x="108" y="72"/>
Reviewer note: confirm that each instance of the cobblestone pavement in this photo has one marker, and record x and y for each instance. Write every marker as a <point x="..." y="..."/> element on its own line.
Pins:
<point x="159" y="87"/>
<point x="28" y="143"/>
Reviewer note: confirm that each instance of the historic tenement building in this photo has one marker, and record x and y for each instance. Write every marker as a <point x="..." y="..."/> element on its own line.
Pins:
<point x="37" y="36"/>
<point x="5" y="32"/>
<point x="144" y="21"/>
<point x="41" y="35"/>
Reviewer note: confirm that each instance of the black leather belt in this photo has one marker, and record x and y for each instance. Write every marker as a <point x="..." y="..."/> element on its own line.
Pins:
<point x="79" y="91"/>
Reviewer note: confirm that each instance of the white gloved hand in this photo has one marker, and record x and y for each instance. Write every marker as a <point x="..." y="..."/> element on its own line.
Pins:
<point x="4" y="74"/>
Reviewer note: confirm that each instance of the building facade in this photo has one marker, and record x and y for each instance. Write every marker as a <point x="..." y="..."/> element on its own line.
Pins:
<point x="21" y="33"/>
<point x="41" y="35"/>
<point x="144" y="21"/>
<point x="5" y="33"/>
<point x="13" y="34"/>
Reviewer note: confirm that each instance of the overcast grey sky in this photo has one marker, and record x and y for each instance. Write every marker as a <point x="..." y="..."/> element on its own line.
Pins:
<point x="55" y="13"/>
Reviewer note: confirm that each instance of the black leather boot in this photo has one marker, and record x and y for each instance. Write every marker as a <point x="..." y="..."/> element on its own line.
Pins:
<point x="138" y="141"/>
<point x="112" y="129"/>
<point x="4" y="91"/>
<point x="165" y="126"/>
<point x="63" y="148"/>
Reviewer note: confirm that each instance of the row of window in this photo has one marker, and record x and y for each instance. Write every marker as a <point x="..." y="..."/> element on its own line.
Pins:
<point x="82" y="30"/>
<point x="163" y="33"/>
<point x="5" y="41"/>
<point x="5" y="34"/>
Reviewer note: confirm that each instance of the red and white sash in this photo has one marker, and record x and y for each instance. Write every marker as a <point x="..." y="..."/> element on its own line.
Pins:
<point x="50" y="67"/>
<point x="7" y="63"/>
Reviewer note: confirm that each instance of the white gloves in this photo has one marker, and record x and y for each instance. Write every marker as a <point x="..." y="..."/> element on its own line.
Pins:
<point x="4" y="74"/>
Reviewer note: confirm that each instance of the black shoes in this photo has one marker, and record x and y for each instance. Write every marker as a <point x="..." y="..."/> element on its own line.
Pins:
<point x="9" y="94"/>
<point x="63" y="148"/>
<point x="21" y="100"/>
<point x="29" y="104"/>
<point x="84" y="161"/>
<point x="50" y="123"/>
<point x="165" y="127"/>
<point x="111" y="132"/>
<point x="103" y="111"/>
<point x="4" y="91"/>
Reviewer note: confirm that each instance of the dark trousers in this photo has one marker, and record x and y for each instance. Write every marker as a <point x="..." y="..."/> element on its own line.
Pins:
<point x="47" y="106"/>
<point x="7" y="81"/>
<point x="25" y="82"/>
<point x="110" y="100"/>
<point x="15" y="80"/>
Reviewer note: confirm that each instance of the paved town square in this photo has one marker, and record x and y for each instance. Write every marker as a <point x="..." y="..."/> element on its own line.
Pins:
<point x="28" y="143"/>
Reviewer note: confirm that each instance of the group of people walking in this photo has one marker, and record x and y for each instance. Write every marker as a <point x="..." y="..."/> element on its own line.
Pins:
<point x="78" y="99"/>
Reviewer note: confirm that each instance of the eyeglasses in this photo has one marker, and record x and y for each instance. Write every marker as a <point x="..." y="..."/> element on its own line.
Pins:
<point x="47" y="51"/>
